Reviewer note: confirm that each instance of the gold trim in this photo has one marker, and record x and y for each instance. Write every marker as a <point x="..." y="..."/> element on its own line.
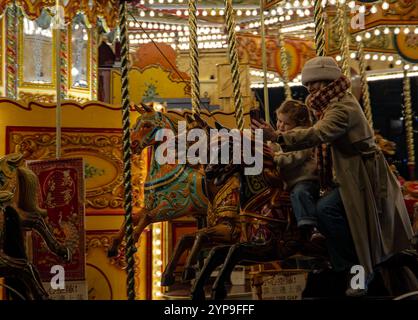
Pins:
<point x="70" y="61"/>
<point x="2" y="63"/>
<point x="25" y="84"/>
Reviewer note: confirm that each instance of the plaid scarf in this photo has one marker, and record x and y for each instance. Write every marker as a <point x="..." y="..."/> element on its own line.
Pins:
<point x="336" y="89"/>
<point x="318" y="102"/>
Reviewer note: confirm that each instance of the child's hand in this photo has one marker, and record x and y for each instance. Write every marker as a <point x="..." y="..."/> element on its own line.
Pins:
<point x="269" y="134"/>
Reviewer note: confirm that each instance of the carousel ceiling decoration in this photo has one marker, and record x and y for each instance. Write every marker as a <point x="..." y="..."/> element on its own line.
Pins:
<point x="94" y="10"/>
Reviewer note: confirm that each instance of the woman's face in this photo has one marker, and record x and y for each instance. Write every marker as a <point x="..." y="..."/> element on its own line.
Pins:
<point x="284" y="123"/>
<point x="315" y="86"/>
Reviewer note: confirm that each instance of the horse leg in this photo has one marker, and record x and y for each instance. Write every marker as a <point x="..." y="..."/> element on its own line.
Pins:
<point x="38" y="224"/>
<point x="143" y="222"/>
<point x="117" y="240"/>
<point x="242" y="252"/>
<point x="215" y="258"/>
<point x="27" y="275"/>
<point x="167" y="278"/>
<point x="189" y="272"/>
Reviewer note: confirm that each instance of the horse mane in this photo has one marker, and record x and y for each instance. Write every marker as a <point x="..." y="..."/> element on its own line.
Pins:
<point x="28" y="191"/>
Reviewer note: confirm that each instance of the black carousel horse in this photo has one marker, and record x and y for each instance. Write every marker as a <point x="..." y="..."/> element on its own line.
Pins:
<point x="19" y="212"/>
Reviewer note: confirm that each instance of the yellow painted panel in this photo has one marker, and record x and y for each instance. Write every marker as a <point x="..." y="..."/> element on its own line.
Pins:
<point x="149" y="83"/>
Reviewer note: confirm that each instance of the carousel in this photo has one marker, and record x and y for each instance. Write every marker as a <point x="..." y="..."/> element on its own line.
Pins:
<point x="88" y="212"/>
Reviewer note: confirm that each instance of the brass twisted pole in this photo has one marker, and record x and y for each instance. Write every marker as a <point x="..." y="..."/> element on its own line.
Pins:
<point x="233" y="60"/>
<point x="319" y="29"/>
<point x="130" y="243"/>
<point x="194" y="58"/>
<point x="264" y="62"/>
<point x="285" y="66"/>
<point x="409" y="124"/>
<point x="11" y="51"/>
<point x="344" y="39"/>
<point x="364" y="85"/>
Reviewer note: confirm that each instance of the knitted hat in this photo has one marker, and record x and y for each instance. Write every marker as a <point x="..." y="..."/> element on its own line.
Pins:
<point x="320" y="69"/>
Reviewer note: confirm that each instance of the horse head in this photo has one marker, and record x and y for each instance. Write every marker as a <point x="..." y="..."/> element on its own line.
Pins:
<point x="19" y="188"/>
<point x="147" y="125"/>
<point x="9" y="181"/>
<point x="388" y="147"/>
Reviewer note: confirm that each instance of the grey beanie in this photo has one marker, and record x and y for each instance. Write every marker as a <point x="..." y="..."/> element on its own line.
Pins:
<point x="320" y="69"/>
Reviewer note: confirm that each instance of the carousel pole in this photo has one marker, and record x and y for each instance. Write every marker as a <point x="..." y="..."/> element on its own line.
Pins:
<point x="409" y="124"/>
<point x="11" y="51"/>
<point x="233" y="60"/>
<point x="319" y="28"/>
<point x="285" y="66"/>
<point x="194" y="58"/>
<point x="320" y="52"/>
<point x="364" y="85"/>
<point x="58" y="116"/>
<point x="344" y="39"/>
<point x="264" y="61"/>
<point x="130" y="244"/>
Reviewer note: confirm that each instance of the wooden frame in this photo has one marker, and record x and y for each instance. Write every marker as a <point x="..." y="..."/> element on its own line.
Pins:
<point x="70" y="61"/>
<point x="21" y="58"/>
<point x="2" y="63"/>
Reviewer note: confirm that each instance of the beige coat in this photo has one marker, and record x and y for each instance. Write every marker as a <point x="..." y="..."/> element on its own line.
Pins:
<point x="296" y="166"/>
<point x="372" y="198"/>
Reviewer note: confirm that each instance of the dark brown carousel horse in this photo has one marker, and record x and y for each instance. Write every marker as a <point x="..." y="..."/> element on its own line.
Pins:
<point x="273" y="236"/>
<point x="19" y="213"/>
<point x="268" y="233"/>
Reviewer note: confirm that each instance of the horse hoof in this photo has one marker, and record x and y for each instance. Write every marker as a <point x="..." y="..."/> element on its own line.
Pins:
<point x="113" y="251"/>
<point x="198" y="295"/>
<point x="167" y="280"/>
<point x="189" y="273"/>
<point x="67" y="255"/>
<point x="219" y="294"/>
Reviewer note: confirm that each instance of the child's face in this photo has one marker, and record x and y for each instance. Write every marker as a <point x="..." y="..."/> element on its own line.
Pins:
<point x="284" y="123"/>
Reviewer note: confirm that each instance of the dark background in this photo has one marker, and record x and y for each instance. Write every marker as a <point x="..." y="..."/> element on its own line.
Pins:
<point x="387" y="104"/>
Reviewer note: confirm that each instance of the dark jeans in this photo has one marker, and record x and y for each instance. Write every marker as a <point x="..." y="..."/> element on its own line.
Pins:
<point x="304" y="197"/>
<point x="333" y="224"/>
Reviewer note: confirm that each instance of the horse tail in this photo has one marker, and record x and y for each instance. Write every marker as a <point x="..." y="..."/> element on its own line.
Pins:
<point x="28" y="191"/>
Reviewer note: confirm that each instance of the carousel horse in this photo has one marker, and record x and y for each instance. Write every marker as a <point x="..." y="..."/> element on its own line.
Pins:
<point x="20" y="212"/>
<point x="222" y="219"/>
<point x="269" y="232"/>
<point x="171" y="191"/>
<point x="278" y="239"/>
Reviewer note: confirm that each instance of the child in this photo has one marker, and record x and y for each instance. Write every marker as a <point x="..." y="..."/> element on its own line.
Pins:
<point x="298" y="169"/>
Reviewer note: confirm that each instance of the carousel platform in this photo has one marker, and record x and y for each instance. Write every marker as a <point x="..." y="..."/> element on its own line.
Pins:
<point x="181" y="291"/>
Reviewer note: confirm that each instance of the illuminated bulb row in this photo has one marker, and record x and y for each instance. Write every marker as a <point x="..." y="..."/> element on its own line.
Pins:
<point x="260" y="74"/>
<point x="280" y="10"/>
<point x="205" y="45"/>
<point x="256" y="85"/>
<point x="205" y="38"/>
<point x="219" y="12"/>
<point x="158" y="35"/>
<point x="391" y="76"/>
<point x="157" y="260"/>
<point x="375" y="57"/>
<point x="378" y="32"/>
<point x="161" y="40"/>
<point x="298" y="27"/>
<point x="172" y="27"/>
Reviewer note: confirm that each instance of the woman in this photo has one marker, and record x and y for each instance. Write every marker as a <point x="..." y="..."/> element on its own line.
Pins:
<point x="364" y="217"/>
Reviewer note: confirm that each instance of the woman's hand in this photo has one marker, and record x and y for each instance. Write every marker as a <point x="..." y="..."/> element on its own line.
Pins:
<point x="269" y="134"/>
